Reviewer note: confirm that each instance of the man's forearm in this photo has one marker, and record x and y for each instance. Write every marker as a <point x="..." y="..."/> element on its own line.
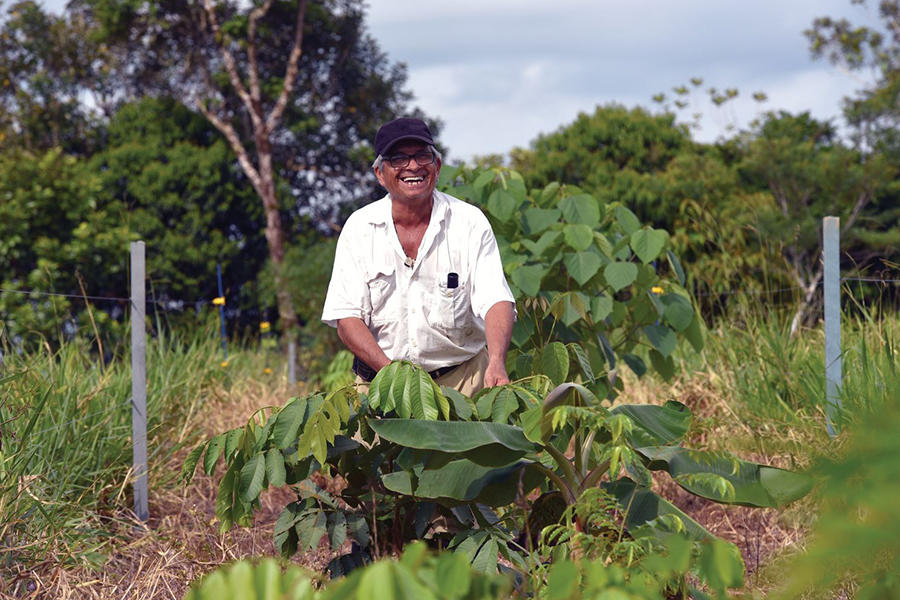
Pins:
<point x="498" y="324"/>
<point x="359" y="340"/>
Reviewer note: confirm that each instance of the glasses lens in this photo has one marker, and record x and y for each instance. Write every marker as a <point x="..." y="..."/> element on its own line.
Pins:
<point x="400" y="161"/>
<point x="425" y="157"/>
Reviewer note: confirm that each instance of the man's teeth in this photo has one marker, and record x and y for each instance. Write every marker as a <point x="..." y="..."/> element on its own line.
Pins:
<point x="412" y="179"/>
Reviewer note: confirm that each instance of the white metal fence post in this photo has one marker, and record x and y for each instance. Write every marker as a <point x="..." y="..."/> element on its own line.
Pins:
<point x="139" y="380"/>
<point x="831" y="242"/>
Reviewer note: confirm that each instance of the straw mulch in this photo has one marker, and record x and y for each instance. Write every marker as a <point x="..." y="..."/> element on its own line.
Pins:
<point x="160" y="559"/>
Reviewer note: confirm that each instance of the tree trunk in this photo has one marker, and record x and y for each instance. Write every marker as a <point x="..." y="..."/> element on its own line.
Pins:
<point x="261" y="174"/>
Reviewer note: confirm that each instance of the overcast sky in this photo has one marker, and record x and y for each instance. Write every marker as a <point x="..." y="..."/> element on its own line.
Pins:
<point x="500" y="72"/>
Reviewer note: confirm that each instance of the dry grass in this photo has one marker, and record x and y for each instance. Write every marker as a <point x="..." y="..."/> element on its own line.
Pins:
<point x="181" y="541"/>
<point x="158" y="560"/>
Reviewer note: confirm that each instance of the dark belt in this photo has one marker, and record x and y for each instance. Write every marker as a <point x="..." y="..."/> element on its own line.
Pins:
<point x="368" y="373"/>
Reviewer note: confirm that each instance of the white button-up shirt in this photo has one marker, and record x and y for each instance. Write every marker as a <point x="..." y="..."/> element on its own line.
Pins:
<point x="411" y="311"/>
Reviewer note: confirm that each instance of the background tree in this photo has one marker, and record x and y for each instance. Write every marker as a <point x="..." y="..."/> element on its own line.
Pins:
<point x="296" y="88"/>
<point x="45" y="66"/>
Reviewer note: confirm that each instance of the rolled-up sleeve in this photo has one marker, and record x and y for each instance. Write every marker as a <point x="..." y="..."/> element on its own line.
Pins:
<point x="347" y="294"/>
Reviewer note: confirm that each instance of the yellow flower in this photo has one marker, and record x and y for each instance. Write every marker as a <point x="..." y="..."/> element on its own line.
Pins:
<point x="264" y="326"/>
<point x="657" y="289"/>
<point x="267" y="371"/>
<point x="220" y="301"/>
<point x="224" y="363"/>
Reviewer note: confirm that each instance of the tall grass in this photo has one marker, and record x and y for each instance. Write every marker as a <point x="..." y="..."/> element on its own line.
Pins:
<point x="65" y="439"/>
<point x="775" y="382"/>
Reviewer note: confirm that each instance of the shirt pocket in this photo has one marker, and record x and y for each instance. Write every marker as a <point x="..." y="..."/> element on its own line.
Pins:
<point x="381" y="287"/>
<point x="450" y="308"/>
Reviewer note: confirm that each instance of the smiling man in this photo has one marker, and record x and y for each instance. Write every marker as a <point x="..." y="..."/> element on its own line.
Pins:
<point x="417" y="274"/>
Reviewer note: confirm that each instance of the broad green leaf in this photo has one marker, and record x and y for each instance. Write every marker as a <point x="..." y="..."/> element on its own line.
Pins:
<point x="190" y="463"/>
<point x="549" y="192"/>
<point x="721" y="565"/>
<point x="656" y="425"/>
<point x="753" y="484"/>
<point x="648" y="243"/>
<point x="538" y="248"/>
<point x="582" y="208"/>
<point x="232" y="439"/>
<point x="583" y="361"/>
<point x="463" y="480"/>
<point x="620" y="275"/>
<point x="677" y="311"/>
<point x="601" y="306"/>
<point x="643" y="507"/>
<point x="502" y="204"/>
<point x="225" y="500"/>
<point x="253" y="473"/>
<point x="522" y="331"/>
<point x="451" y="575"/>
<point x="311" y="528"/>
<point x="562" y="580"/>
<point x="481" y="551"/>
<point x="337" y="529"/>
<point x="450" y="436"/>
<point x="240" y="580"/>
<point x="662" y="338"/>
<point x="579" y="237"/>
<point x="569" y="307"/>
<point x="288" y="422"/>
<point x="420" y="390"/>
<point x="582" y="265"/>
<point x="694" y="333"/>
<point x="213" y="451"/>
<point x="539" y="219"/>
<point x="484" y="402"/>
<point x="528" y="278"/>
<point x="555" y="362"/>
<point x="627" y="220"/>
<point x="285" y="536"/>
<point x="275" y="467"/>
<point x="483" y="179"/>
<point x="635" y="363"/>
<point x="664" y="365"/>
<point x="462" y="406"/>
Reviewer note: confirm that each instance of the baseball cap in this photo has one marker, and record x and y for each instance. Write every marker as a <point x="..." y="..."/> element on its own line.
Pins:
<point x="401" y="129"/>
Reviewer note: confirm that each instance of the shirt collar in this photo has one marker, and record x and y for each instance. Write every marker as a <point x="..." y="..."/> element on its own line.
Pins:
<point x="381" y="210"/>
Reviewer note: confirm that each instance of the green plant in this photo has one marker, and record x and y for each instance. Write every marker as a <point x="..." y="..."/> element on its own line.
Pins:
<point x="466" y="483"/>
<point x="65" y="440"/>
<point x="594" y="288"/>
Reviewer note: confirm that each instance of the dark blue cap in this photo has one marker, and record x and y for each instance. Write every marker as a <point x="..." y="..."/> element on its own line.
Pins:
<point x="401" y="129"/>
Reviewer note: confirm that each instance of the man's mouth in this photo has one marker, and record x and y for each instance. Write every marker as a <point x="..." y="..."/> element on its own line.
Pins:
<point x="412" y="180"/>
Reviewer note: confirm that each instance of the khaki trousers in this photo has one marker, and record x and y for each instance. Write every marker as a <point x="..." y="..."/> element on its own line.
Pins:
<point x="467" y="378"/>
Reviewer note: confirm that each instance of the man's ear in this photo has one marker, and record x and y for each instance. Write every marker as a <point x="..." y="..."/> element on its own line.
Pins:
<point x="379" y="175"/>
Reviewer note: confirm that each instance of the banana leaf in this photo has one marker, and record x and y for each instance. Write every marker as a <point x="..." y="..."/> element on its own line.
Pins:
<point x="723" y="478"/>
<point x="451" y="436"/>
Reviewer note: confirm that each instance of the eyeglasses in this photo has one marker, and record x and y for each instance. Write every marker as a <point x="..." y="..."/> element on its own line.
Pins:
<point x="400" y="161"/>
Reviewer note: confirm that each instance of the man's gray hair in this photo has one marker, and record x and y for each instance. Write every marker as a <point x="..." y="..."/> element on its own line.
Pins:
<point x="379" y="160"/>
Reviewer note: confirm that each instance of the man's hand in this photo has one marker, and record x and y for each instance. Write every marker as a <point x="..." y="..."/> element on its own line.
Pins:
<point x="495" y="374"/>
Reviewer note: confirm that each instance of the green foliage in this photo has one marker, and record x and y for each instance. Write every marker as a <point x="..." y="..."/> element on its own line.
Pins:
<point x="458" y="472"/>
<point x="415" y="575"/>
<point x="855" y="538"/>
<point x="65" y="440"/>
<point x="593" y="287"/>
<point x="56" y="229"/>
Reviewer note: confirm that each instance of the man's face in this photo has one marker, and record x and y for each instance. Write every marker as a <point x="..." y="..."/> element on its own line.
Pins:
<point x="415" y="182"/>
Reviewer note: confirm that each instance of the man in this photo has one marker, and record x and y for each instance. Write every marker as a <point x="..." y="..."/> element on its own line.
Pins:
<point x="417" y="274"/>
